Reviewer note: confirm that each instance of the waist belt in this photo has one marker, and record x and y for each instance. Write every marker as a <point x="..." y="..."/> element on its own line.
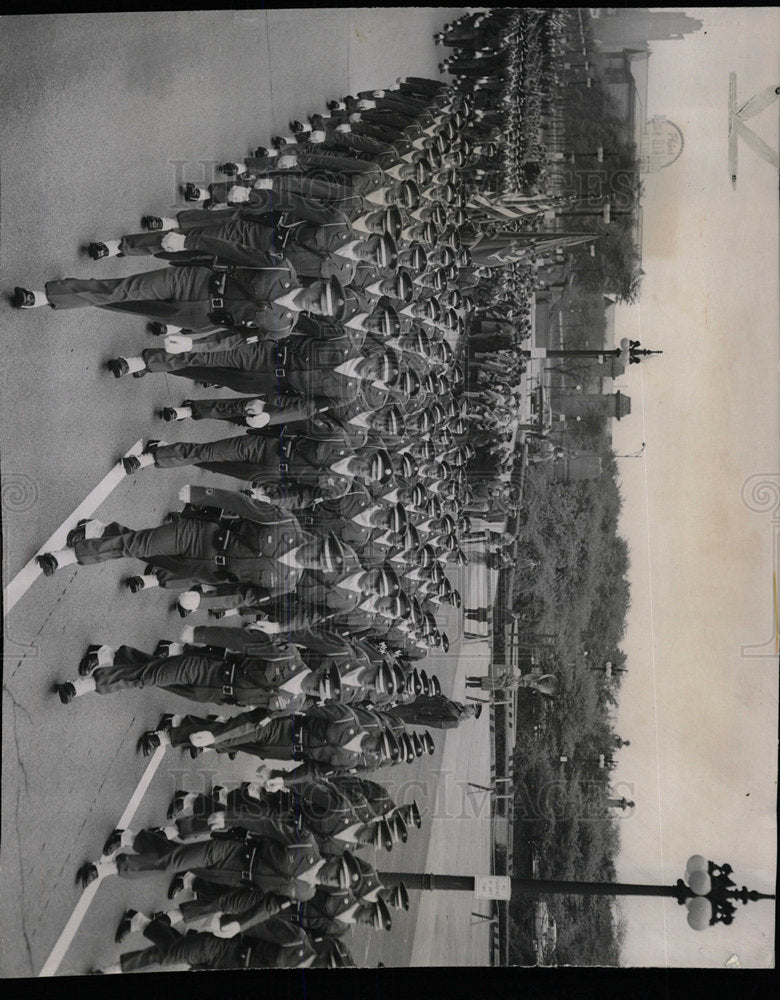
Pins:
<point x="218" y="283"/>
<point x="226" y="527"/>
<point x="286" y="453"/>
<point x="228" y="676"/>
<point x="281" y="360"/>
<point x="298" y="740"/>
<point x="248" y="863"/>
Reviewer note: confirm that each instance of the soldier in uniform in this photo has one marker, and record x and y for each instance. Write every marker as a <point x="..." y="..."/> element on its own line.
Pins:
<point x="274" y="677"/>
<point x="254" y="289"/>
<point x="236" y="538"/>
<point x="275" y="944"/>
<point x="436" y="711"/>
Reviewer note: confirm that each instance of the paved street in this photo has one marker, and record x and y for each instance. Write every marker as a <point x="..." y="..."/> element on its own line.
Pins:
<point x="103" y="117"/>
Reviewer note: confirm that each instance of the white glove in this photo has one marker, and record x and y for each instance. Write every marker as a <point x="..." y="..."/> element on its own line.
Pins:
<point x="366" y="105"/>
<point x="274" y="784"/>
<point x="216" y="821"/>
<point x="343" y="128"/>
<point x="317" y="136"/>
<point x="173" y="242"/>
<point x="202" y="739"/>
<point x="270" y="628"/>
<point x="190" y="600"/>
<point x="258" y="420"/>
<point x="185" y="494"/>
<point x="254" y="406"/>
<point x="355" y="116"/>
<point x="238" y="195"/>
<point x="263" y="184"/>
<point x="175" y="343"/>
<point x="287" y="161"/>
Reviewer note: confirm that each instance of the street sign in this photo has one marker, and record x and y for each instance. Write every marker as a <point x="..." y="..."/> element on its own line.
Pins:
<point x="493" y="887"/>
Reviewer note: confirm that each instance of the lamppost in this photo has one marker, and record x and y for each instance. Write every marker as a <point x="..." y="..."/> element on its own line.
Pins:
<point x="707" y="891"/>
<point x="629" y="352"/>
<point x="633" y="454"/>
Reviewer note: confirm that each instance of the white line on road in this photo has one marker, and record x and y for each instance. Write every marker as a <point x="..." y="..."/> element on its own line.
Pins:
<point x="23" y="580"/>
<point x="59" y="950"/>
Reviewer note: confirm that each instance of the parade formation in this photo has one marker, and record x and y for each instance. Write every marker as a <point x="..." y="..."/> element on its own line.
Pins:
<point x="328" y="283"/>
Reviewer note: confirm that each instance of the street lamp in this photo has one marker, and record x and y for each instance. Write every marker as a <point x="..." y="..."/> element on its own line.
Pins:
<point x="630" y="352"/>
<point x="633" y="454"/>
<point x="707" y="891"/>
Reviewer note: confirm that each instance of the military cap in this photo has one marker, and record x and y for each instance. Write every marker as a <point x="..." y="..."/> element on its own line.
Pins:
<point x="386" y="252"/>
<point x="435" y="684"/>
<point x="380" y="918"/>
<point x="450" y="237"/>
<point x="392" y="221"/>
<point x="389" y="420"/>
<point x="419" y="496"/>
<point x="414" y="257"/>
<point x="396" y="821"/>
<point x="384" y="319"/>
<point x="383" y="835"/>
<point x="414" y="814"/>
<point x="433" y="309"/>
<point x="418" y="747"/>
<point x="384" y="581"/>
<point x="399" y="678"/>
<point x="408" y="383"/>
<point x="381" y="466"/>
<point x="407" y="194"/>
<point x="330" y="685"/>
<point x="388" y="367"/>
<point x="434" y="156"/>
<point x="429" y="233"/>
<point x="403" y="287"/>
<point x="334" y="554"/>
<point x="333" y="298"/>
<point x="399" y="896"/>
<point x="349" y="871"/>
<point x="416" y="683"/>
<point x="407" y="466"/>
<point x="426" y="450"/>
<point x="411" y="537"/>
<point x="428" y="742"/>
<point x="407" y="747"/>
<point x="402" y="607"/>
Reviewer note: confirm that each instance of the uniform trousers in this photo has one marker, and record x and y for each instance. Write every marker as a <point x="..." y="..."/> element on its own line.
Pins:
<point x="197" y="675"/>
<point x="246" y="368"/>
<point x="241" y="457"/>
<point x="203" y="950"/>
<point x="180" y="295"/>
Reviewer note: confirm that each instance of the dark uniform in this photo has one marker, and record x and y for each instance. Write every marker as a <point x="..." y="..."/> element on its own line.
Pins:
<point x="321" y="735"/>
<point x="195" y="297"/>
<point x="207" y="675"/>
<point x="277" y="944"/>
<point x="434" y="711"/>
<point x="274" y="859"/>
<point x="210" y="549"/>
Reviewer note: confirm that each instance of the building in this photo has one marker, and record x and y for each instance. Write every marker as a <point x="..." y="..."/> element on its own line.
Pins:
<point x="634" y="27"/>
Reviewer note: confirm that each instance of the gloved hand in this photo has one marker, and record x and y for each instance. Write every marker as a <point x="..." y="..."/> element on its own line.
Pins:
<point x="175" y="343"/>
<point x="173" y="242"/>
<point x="202" y="739"/>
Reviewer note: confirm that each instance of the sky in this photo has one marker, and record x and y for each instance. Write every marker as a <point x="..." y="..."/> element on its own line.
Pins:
<point x="699" y="703"/>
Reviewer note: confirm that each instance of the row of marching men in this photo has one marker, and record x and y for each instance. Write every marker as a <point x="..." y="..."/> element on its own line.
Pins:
<point x="345" y="362"/>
